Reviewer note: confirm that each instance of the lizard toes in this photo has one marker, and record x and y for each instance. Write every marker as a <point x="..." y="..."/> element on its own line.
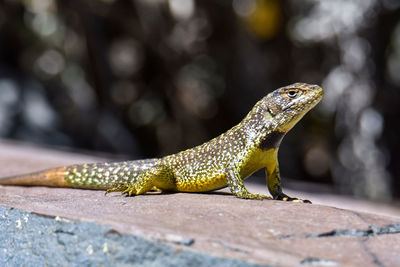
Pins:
<point x="284" y="197"/>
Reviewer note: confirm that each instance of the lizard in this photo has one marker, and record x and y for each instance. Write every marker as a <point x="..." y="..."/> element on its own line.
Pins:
<point x="224" y="161"/>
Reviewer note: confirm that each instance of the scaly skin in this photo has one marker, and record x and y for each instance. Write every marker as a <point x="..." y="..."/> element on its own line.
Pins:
<point x="223" y="161"/>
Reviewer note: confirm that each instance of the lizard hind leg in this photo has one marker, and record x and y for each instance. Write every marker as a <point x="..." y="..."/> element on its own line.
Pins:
<point x="139" y="186"/>
<point x="158" y="177"/>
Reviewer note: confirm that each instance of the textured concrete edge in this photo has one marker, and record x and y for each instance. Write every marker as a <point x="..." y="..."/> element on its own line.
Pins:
<point x="29" y="239"/>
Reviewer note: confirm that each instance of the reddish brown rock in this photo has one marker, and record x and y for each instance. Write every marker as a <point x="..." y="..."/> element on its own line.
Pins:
<point x="269" y="232"/>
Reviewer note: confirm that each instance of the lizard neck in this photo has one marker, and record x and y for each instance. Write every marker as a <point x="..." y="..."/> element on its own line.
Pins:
<point x="263" y="138"/>
<point x="262" y="128"/>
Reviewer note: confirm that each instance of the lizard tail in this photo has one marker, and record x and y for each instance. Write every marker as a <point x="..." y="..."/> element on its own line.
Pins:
<point x="95" y="176"/>
<point x="51" y="178"/>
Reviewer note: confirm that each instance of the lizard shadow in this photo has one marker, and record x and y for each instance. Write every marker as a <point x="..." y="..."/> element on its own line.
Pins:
<point x="173" y="192"/>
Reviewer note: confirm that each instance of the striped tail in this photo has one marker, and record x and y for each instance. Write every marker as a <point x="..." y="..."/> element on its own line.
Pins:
<point x="51" y="178"/>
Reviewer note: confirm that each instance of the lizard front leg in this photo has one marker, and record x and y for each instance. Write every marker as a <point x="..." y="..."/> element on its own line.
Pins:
<point x="274" y="184"/>
<point x="237" y="187"/>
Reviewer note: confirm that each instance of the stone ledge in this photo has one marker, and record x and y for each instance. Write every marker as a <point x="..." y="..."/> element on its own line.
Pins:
<point x="217" y="224"/>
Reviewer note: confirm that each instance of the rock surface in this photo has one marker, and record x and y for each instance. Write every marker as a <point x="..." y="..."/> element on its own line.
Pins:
<point x="34" y="240"/>
<point x="217" y="224"/>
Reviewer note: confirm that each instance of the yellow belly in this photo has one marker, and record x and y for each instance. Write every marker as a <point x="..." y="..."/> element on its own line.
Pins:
<point x="213" y="179"/>
<point x="202" y="182"/>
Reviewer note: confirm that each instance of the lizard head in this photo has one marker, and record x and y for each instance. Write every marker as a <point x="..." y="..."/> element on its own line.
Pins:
<point x="287" y="105"/>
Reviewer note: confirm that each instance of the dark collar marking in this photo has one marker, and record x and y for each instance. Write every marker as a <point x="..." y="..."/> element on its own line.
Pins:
<point x="272" y="140"/>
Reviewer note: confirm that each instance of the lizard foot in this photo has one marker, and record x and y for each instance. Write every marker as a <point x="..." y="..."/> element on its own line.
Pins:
<point x="285" y="197"/>
<point x="128" y="190"/>
<point x="116" y="188"/>
<point x="248" y="195"/>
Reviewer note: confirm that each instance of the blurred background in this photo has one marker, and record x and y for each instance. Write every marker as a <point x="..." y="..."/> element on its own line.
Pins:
<point x="146" y="78"/>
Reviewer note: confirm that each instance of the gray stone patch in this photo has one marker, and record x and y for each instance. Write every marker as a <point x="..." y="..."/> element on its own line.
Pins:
<point x="29" y="239"/>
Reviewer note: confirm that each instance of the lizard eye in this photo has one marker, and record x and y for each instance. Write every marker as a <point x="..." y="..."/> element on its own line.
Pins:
<point x="292" y="93"/>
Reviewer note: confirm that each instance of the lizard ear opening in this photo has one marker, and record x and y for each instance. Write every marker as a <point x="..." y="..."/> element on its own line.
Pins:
<point x="270" y="112"/>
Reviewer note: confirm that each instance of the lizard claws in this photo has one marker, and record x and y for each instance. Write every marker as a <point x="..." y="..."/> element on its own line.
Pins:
<point x="284" y="197"/>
